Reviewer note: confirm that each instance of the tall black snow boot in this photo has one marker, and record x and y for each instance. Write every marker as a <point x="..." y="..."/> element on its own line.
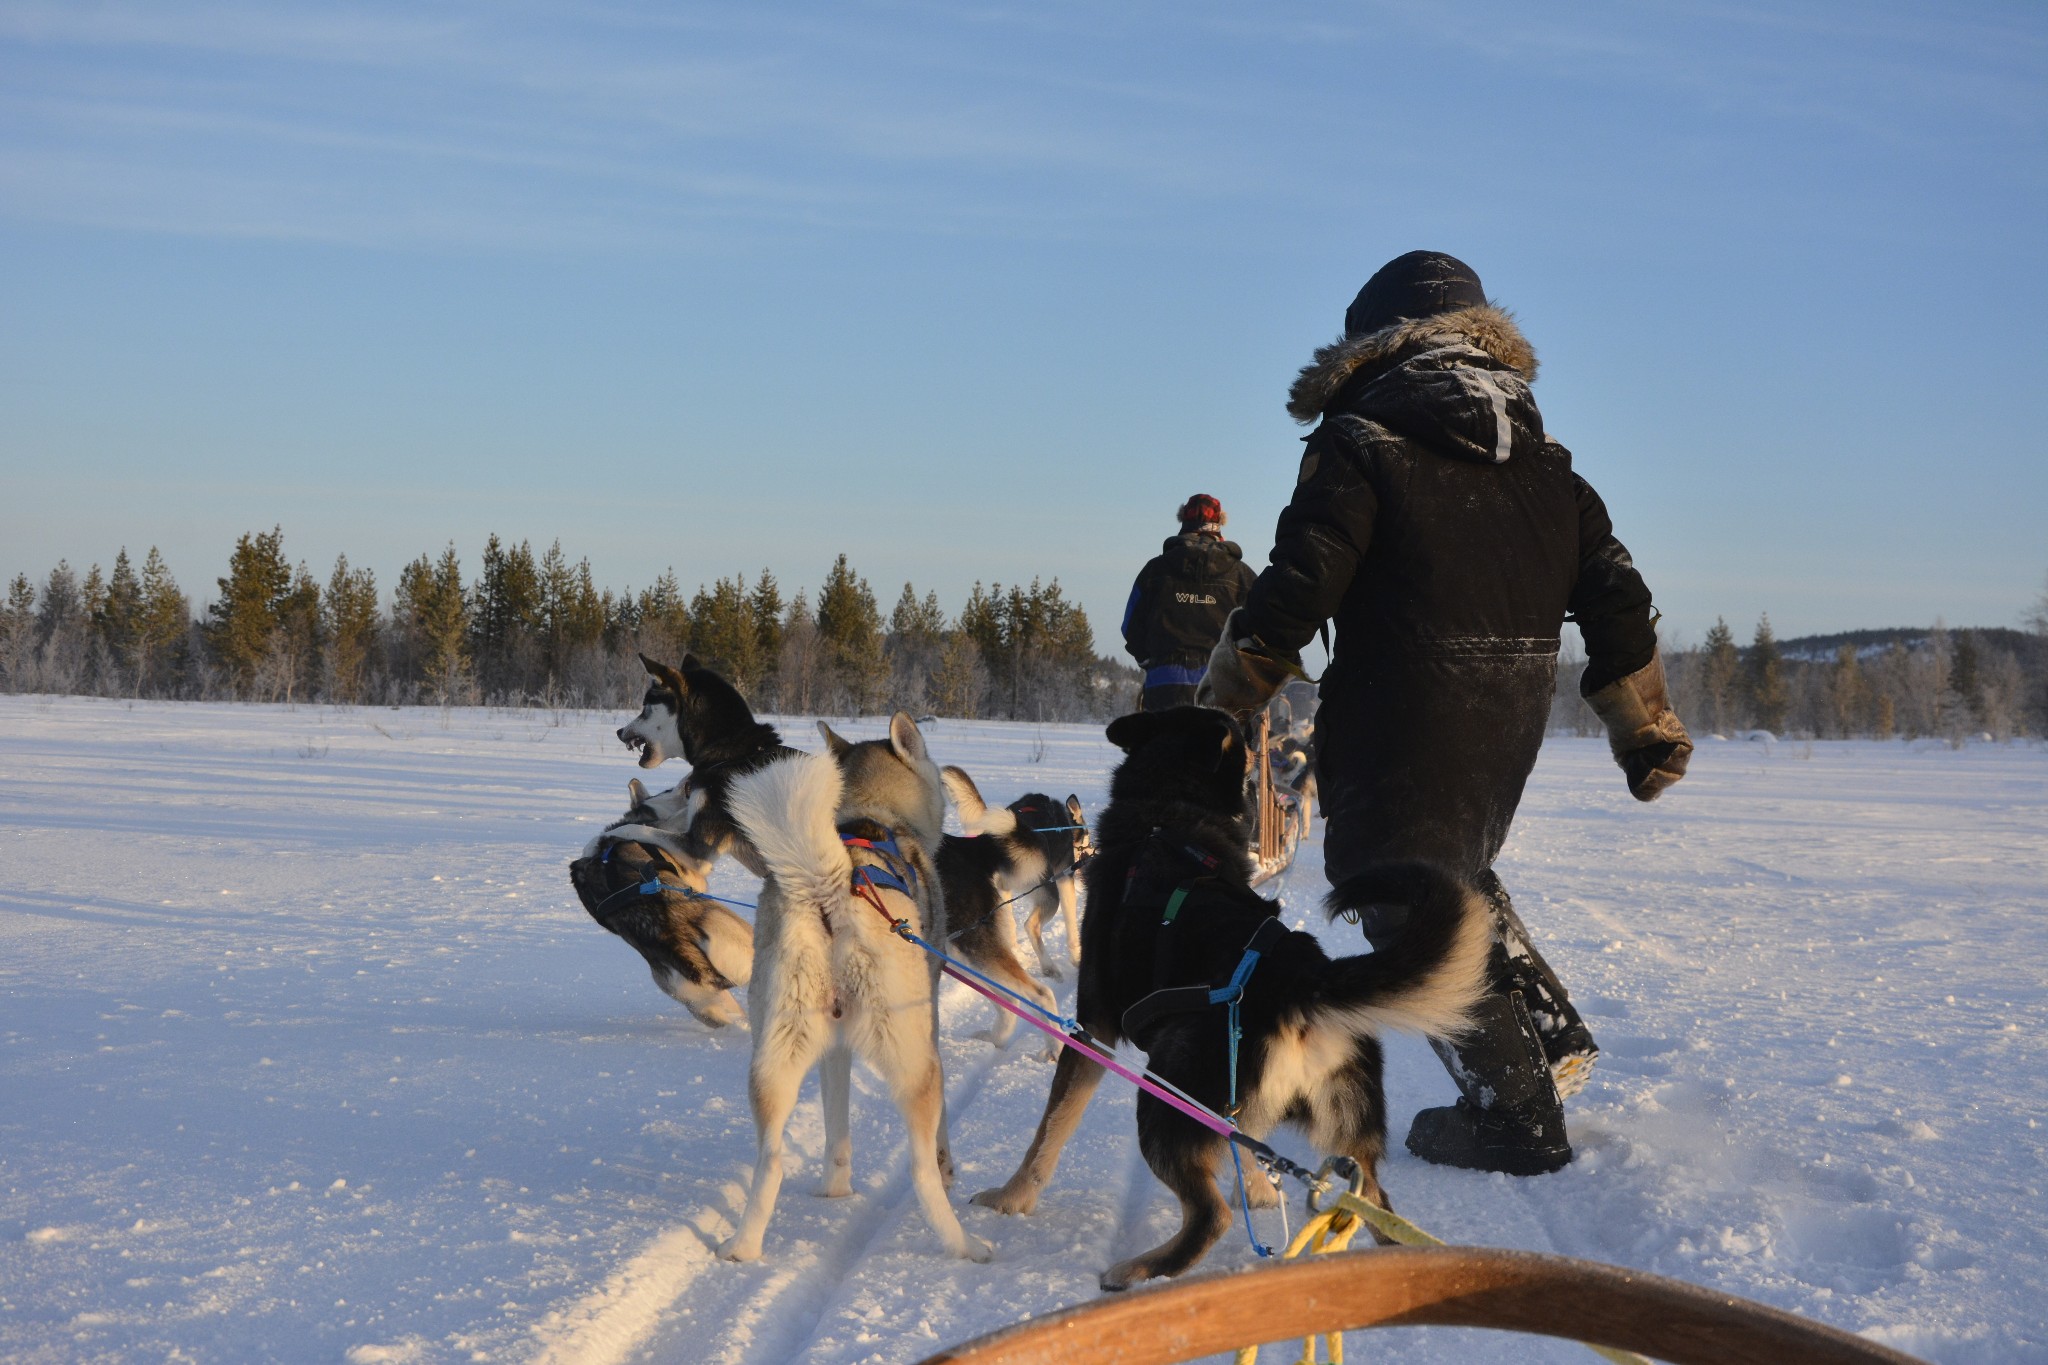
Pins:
<point x="1508" y="1117"/>
<point x="1567" y="1043"/>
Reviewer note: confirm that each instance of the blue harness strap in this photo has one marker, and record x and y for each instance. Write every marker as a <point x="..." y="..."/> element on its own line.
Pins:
<point x="892" y="855"/>
<point x="655" y="886"/>
<point x="1142" y="1015"/>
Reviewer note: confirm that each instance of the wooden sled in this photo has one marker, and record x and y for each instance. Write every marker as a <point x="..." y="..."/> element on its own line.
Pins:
<point x="1516" y="1291"/>
<point x="1275" y="810"/>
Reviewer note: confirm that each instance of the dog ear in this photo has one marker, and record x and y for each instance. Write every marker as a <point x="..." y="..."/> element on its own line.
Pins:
<point x="1131" y="733"/>
<point x="636" y="791"/>
<point x="834" y="745"/>
<point x="907" y="740"/>
<point x="667" y="676"/>
<point x="1074" y="812"/>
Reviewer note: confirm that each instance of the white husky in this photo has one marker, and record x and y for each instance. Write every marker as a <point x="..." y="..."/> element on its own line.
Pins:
<point x="830" y="978"/>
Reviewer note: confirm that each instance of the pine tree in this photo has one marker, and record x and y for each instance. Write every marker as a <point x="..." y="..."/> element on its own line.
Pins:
<point x="118" y="619"/>
<point x="506" y="620"/>
<point x="982" y="623"/>
<point x="724" y="635"/>
<point x="915" y="621"/>
<point x="92" y="594"/>
<point x="850" y="625"/>
<point x="664" y="620"/>
<point x="961" y="681"/>
<point x="18" y="635"/>
<point x="162" y="628"/>
<point x="766" y="604"/>
<point x="917" y="633"/>
<point x="349" y="614"/>
<point x="242" y="620"/>
<point x="63" y="630"/>
<point x="293" y="662"/>
<point x="1768" y="696"/>
<point x="1721" y="677"/>
<point x="1964" y="679"/>
<point x="800" y="663"/>
<point x="1848" y="692"/>
<point x="432" y="611"/>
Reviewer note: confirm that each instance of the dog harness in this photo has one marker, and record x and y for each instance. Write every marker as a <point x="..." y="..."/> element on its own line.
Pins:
<point x="1143" y="1017"/>
<point x="1166" y="998"/>
<point x="654" y="885"/>
<point x="897" y="872"/>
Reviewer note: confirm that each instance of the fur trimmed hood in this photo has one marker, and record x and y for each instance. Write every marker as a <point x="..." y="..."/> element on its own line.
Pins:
<point x="1489" y="330"/>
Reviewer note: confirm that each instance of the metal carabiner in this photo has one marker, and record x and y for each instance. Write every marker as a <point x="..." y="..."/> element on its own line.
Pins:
<point x="1335" y="1168"/>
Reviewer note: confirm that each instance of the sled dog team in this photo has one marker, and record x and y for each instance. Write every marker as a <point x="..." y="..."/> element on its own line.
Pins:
<point x="850" y="840"/>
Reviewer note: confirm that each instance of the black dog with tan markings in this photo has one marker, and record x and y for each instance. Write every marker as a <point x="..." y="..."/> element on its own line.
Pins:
<point x="1170" y="917"/>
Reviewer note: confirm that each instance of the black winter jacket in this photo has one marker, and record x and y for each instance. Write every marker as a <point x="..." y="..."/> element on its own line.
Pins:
<point x="1448" y="539"/>
<point x="1182" y="597"/>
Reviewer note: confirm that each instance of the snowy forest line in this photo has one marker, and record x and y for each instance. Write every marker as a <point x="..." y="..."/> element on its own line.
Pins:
<point x="532" y="629"/>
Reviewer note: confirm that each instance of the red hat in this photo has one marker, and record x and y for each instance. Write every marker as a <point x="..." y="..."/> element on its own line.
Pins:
<point x="1199" y="511"/>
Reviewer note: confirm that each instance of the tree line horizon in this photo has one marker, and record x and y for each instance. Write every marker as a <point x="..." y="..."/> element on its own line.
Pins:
<point x="534" y="629"/>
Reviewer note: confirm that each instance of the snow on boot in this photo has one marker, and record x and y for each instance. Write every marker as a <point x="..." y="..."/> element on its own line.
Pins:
<point x="1568" y="1044"/>
<point x="1508" y="1117"/>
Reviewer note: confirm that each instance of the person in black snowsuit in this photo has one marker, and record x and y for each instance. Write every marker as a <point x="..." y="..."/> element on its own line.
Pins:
<point x="1449" y="538"/>
<point x="1179" y="604"/>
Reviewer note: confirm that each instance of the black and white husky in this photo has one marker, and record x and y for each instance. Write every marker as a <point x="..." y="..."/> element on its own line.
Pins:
<point x="831" y="981"/>
<point x="638" y="880"/>
<point x="1170" y="906"/>
<point x="1043" y="844"/>
<point x="692" y="713"/>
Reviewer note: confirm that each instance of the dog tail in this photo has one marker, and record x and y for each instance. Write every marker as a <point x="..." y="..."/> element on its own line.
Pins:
<point x="975" y="815"/>
<point x="787" y="811"/>
<point x="1432" y="972"/>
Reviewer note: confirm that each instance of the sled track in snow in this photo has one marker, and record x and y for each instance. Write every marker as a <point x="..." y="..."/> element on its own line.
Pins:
<point x="771" y="1309"/>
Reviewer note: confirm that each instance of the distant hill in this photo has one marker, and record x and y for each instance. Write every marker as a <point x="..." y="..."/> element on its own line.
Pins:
<point x="2031" y="650"/>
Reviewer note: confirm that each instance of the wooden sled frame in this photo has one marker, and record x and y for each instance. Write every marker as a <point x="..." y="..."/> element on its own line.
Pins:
<point x="1516" y="1291"/>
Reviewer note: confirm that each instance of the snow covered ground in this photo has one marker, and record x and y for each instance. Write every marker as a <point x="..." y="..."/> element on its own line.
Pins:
<point x="308" y="1053"/>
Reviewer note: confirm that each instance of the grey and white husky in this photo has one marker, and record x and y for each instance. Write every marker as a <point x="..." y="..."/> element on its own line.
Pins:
<point x="830" y="979"/>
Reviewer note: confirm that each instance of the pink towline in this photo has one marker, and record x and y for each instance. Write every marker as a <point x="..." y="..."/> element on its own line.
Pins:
<point x="1215" y="1123"/>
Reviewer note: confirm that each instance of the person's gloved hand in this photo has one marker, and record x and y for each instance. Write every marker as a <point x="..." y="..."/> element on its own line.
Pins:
<point x="1644" y="733"/>
<point x="1242" y="677"/>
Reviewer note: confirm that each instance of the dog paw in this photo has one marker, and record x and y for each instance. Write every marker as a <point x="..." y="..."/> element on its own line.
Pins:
<point x="739" y="1248"/>
<point x="973" y="1249"/>
<point x="1051" y="972"/>
<point x="1003" y="1200"/>
<point x="720" y="1012"/>
<point x="1259" y="1193"/>
<point x="836" y="1186"/>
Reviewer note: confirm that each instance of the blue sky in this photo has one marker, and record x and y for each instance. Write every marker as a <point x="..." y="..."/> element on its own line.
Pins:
<point x="982" y="291"/>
